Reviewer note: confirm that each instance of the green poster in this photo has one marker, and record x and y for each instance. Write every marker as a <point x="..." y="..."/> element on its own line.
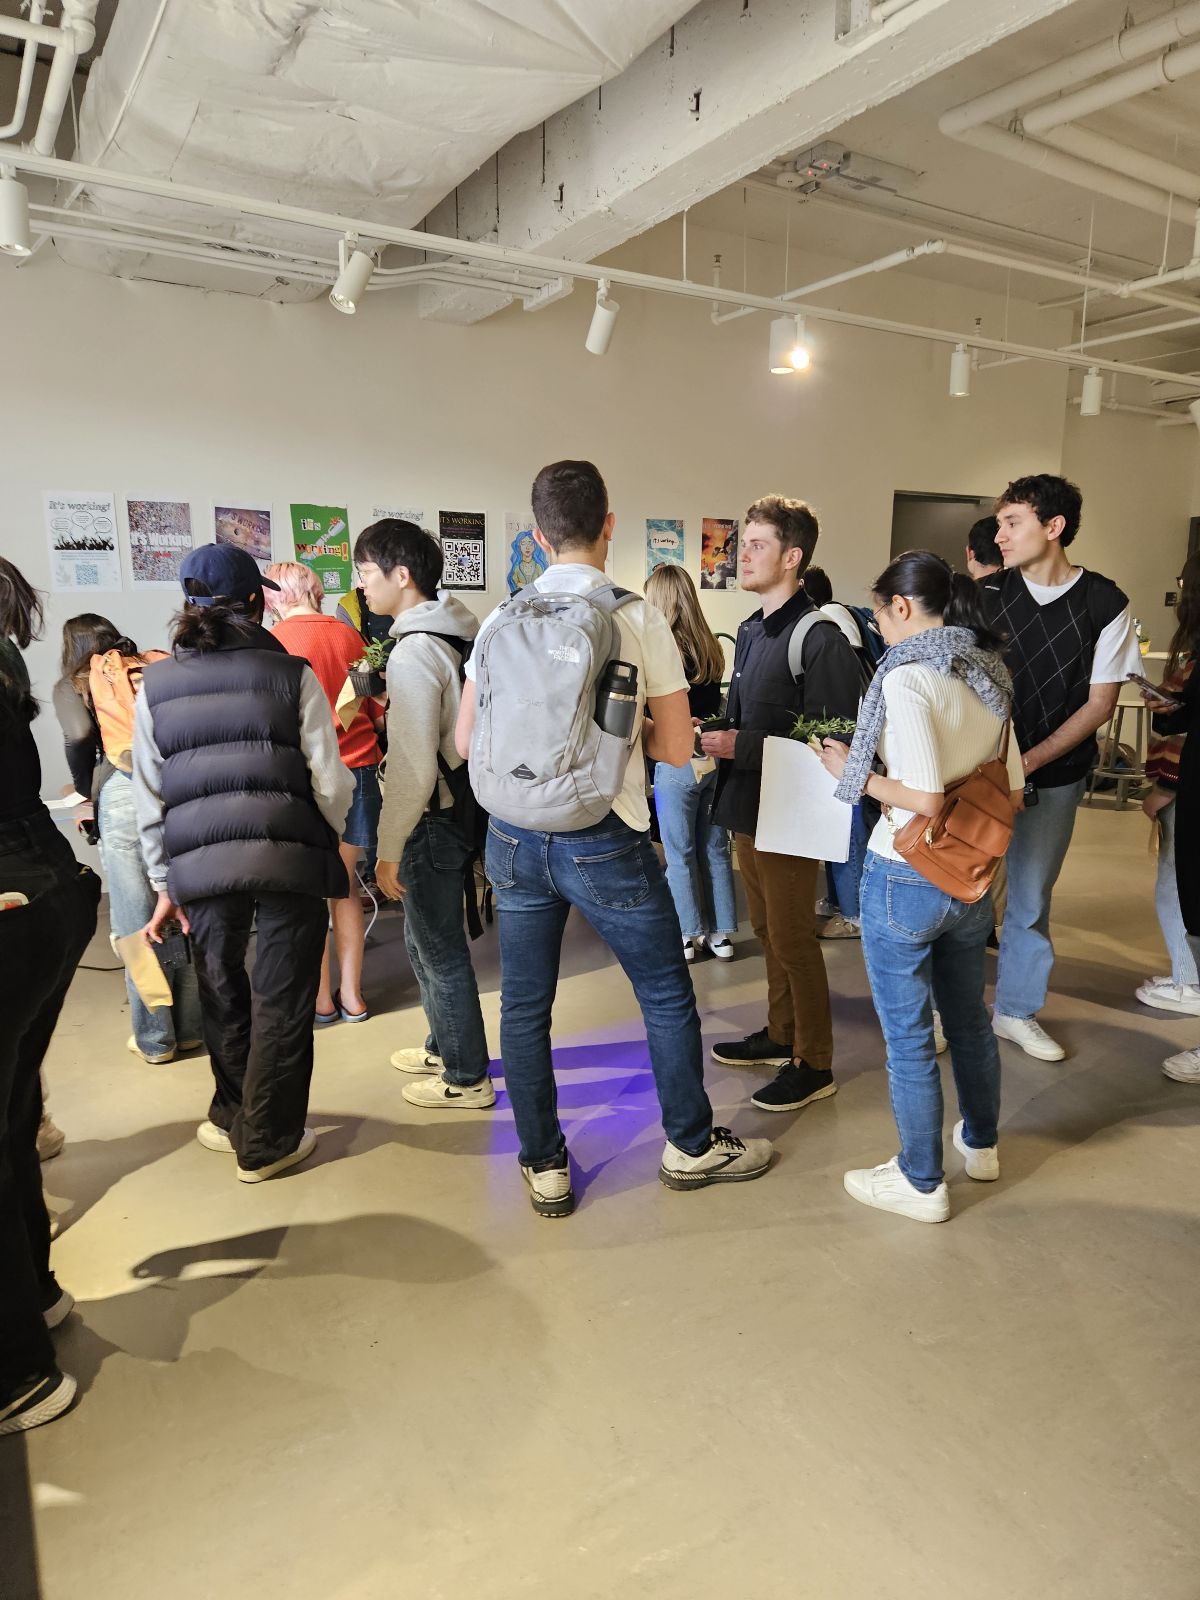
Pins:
<point x="321" y="535"/>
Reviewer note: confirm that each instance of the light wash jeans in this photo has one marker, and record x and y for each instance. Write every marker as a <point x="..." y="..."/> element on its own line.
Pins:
<point x="923" y="948"/>
<point x="699" y="871"/>
<point x="1041" y="834"/>
<point x="845" y="877"/>
<point x="1166" y="903"/>
<point x="130" y="903"/>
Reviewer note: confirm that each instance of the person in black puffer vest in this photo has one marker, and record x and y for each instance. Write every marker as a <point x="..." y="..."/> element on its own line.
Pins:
<point x="241" y="796"/>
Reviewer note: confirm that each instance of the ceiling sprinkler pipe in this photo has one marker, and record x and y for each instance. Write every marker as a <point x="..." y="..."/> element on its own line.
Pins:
<point x="77" y="35"/>
<point x="10" y="130"/>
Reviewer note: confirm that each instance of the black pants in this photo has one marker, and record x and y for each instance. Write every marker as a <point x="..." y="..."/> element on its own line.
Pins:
<point x="40" y="947"/>
<point x="259" y="1028"/>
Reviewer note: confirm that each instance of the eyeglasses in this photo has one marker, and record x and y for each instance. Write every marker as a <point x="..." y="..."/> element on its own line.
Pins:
<point x="884" y="607"/>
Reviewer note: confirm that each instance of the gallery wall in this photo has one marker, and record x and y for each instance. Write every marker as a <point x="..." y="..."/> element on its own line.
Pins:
<point x="155" y="392"/>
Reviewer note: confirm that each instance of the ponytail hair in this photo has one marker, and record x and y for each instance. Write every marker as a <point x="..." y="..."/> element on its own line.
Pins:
<point x="208" y="627"/>
<point x="934" y="587"/>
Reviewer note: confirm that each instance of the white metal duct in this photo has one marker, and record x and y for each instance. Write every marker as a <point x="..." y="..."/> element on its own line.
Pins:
<point x="376" y="108"/>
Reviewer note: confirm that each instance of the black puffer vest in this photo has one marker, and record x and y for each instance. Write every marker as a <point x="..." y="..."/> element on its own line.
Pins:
<point x="240" y="812"/>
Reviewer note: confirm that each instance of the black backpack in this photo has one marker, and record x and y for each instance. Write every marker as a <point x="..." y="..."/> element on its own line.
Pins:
<point x="467" y="815"/>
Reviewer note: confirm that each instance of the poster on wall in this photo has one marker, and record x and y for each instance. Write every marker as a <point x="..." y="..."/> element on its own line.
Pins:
<point x="464" y="549"/>
<point x="160" y="535"/>
<point x="401" y="514"/>
<point x="664" y="542"/>
<point x="321" y="535"/>
<point x="82" y="531"/>
<point x="248" y="527"/>
<point x="524" y="557"/>
<point x="718" y="552"/>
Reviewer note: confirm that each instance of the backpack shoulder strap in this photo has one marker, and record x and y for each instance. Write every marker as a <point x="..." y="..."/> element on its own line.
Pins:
<point x="800" y="633"/>
<point x="611" y="598"/>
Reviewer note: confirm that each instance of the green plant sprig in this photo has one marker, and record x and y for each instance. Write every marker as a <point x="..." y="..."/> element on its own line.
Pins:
<point x="811" y="730"/>
<point x="374" y="656"/>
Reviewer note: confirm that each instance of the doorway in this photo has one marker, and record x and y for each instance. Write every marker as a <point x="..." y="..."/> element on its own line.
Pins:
<point x="938" y="522"/>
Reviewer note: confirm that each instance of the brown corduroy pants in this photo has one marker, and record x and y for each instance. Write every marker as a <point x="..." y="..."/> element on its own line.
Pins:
<point x="781" y="894"/>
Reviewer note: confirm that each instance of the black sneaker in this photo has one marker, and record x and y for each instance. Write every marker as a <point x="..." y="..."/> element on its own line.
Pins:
<point x="795" y="1085"/>
<point x="757" y="1050"/>
<point x="40" y="1400"/>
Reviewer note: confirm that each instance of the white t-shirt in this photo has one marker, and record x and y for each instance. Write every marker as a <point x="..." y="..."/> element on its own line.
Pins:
<point x="1116" y="653"/>
<point x="937" y="730"/>
<point x="648" y="643"/>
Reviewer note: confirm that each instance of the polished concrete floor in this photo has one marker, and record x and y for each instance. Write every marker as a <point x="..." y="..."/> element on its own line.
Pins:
<point x="383" y="1376"/>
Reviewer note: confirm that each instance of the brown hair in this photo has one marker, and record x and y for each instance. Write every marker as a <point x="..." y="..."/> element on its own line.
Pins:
<point x="1186" y="638"/>
<point x="670" y="590"/>
<point x="793" y="520"/>
<point x="570" y="504"/>
<point x="85" y="636"/>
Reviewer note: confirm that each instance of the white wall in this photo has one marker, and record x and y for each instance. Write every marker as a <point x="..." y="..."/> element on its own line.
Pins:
<point x="150" y="390"/>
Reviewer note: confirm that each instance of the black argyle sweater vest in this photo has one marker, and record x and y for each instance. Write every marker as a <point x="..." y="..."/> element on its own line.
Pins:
<point x="1049" y="651"/>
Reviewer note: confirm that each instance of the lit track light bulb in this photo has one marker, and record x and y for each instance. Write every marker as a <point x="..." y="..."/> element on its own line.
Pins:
<point x="790" y="350"/>
<point x="604" y="320"/>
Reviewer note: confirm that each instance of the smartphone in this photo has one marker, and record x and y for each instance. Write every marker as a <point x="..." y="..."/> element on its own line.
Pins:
<point x="1155" y="689"/>
<point x="174" y="951"/>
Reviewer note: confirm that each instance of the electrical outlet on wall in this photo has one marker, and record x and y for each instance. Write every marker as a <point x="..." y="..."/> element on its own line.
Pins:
<point x="1171" y="598"/>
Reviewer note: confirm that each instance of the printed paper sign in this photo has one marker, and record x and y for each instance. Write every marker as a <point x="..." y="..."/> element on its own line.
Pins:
<point x="718" y="553"/>
<point x="464" y="549"/>
<point x="160" y="535"/>
<point x="321" y="535"/>
<point x="664" y="542"/>
<point x="81" y="528"/>
<point x="525" y="558"/>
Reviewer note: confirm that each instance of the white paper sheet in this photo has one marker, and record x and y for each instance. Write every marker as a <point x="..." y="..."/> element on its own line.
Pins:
<point x="798" y="814"/>
<point x="81" y="527"/>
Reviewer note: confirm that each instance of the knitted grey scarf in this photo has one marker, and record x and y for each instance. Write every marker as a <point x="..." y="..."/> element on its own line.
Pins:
<point x="946" y="650"/>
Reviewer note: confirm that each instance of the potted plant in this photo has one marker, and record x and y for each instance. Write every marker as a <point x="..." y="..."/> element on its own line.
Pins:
<point x="714" y="724"/>
<point x="367" y="672"/>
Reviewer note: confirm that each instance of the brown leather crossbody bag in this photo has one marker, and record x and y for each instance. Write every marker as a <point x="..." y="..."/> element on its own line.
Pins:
<point x="960" y="849"/>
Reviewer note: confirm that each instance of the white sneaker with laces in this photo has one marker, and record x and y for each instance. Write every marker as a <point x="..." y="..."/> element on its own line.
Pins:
<point x="983" y="1164"/>
<point x="1185" y="1067"/>
<point x="722" y="948"/>
<point x="214" y="1138"/>
<point x="416" y="1059"/>
<point x="443" y="1096"/>
<point x="940" y="1043"/>
<point x="308" y="1143"/>
<point x="887" y="1189"/>
<point x="1029" y="1034"/>
<point x="728" y="1159"/>
<point x="550" y="1192"/>
<point x="1167" y="996"/>
<point x="60" y="1310"/>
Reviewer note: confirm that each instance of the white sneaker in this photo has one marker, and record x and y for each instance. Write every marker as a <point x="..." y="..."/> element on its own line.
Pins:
<point x="308" y="1143"/>
<point x="416" y="1060"/>
<point x="722" y="948"/>
<point x="940" y="1044"/>
<point x="60" y="1310"/>
<point x="550" y="1192"/>
<point x="690" y="949"/>
<point x="840" y="927"/>
<point x="443" y="1096"/>
<point x="1185" y="1067"/>
<point x="214" y="1138"/>
<point x="50" y="1139"/>
<point x="727" y="1160"/>
<point x="1168" y="996"/>
<point x="887" y="1189"/>
<point x="1029" y="1034"/>
<point x="982" y="1164"/>
<point x="155" y="1061"/>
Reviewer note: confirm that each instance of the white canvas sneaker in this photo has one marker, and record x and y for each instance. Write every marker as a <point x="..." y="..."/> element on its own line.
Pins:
<point x="887" y="1189"/>
<point x="214" y="1138"/>
<point x="727" y="1160"/>
<point x="416" y="1059"/>
<point x="1167" y="996"/>
<point x="722" y="948"/>
<point x="983" y="1164"/>
<point x="1030" y="1035"/>
<point x="308" y="1143"/>
<point x="443" y="1096"/>
<point x="1184" y="1068"/>
<point x="691" y="949"/>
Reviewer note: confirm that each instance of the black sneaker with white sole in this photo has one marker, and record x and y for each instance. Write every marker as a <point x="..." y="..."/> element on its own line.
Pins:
<point x="793" y="1086"/>
<point x="728" y="1159"/>
<point x="37" y="1401"/>
<point x="756" y="1050"/>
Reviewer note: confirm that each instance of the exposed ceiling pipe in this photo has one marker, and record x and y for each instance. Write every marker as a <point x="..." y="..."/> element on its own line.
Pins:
<point x="1095" y="283"/>
<point x="78" y="34"/>
<point x="1177" y="274"/>
<point x="1164" y="419"/>
<point x="551" y="266"/>
<point x="1167" y="68"/>
<point x="1107" y="152"/>
<point x="898" y="258"/>
<point x="9" y="130"/>
<point x="1057" y="164"/>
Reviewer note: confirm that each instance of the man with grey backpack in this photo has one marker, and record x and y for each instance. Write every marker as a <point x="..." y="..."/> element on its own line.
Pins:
<point x="574" y="680"/>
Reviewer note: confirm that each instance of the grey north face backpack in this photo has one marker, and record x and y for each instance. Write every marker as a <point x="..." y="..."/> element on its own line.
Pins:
<point x="538" y="756"/>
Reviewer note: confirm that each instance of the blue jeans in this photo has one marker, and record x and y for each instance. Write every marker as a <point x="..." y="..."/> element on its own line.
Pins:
<point x="131" y="901"/>
<point x="845" y="876"/>
<point x="431" y="870"/>
<point x="611" y="875"/>
<point x="699" y="871"/>
<point x="923" y="948"/>
<point x="1040" y="838"/>
<point x="1166" y="903"/>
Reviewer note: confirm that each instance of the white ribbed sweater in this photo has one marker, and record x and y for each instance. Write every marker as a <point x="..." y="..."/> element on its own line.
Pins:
<point x="936" y="731"/>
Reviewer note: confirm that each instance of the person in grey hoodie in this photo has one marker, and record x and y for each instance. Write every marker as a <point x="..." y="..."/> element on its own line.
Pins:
<point x="422" y="849"/>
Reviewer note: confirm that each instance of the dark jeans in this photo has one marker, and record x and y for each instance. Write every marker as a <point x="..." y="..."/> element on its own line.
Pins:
<point x="40" y="947"/>
<point x="611" y="875"/>
<point x="431" y="870"/>
<point x="258" y="1027"/>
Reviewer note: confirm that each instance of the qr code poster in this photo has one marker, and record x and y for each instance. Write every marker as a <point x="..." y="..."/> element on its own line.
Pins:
<point x="463" y="536"/>
<point x="82" y="530"/>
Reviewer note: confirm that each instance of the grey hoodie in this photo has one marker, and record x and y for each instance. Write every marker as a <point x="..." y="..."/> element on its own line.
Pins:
<point x="424" y="690"/>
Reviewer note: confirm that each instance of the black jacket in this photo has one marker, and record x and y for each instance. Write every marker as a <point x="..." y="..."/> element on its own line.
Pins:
<point x="1187" y="801"/>
<point x="238" y="799"/>
<point x="765" y="700"/>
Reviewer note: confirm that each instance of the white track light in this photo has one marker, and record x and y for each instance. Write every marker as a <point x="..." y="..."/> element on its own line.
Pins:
<point x="14" y="216"/>
<point x="604" y="320"/>
<point x="960" y="372"/>
<point x="355" y="269"/>
<point x="1092" y="396"/>
<point x="790" y="350"/>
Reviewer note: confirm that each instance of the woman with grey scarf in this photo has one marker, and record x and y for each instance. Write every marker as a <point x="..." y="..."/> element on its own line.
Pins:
<point x="936" y="709"/>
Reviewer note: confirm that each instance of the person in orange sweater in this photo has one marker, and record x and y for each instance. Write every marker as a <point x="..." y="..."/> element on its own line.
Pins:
<point x="331" y="647"/>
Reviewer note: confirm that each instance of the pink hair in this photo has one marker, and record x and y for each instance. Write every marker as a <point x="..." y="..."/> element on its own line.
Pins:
<point x="298" y="585"/>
